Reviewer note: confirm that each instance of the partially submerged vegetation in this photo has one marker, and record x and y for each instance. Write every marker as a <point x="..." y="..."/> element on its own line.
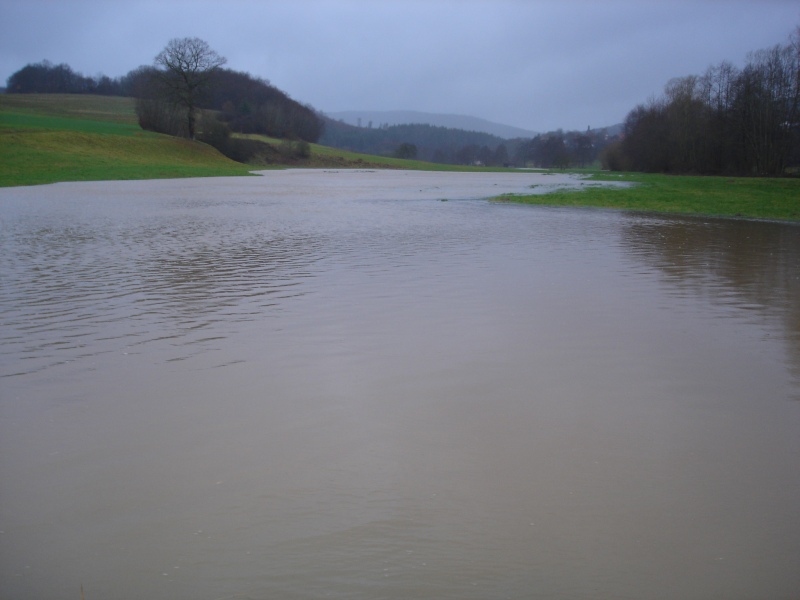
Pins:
<point x="750" y="197"/>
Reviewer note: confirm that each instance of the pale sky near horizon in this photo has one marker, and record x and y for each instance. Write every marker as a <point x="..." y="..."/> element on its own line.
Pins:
<point x="539" y="65"/>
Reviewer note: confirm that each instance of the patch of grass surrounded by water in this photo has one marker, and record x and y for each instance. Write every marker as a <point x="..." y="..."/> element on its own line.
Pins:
<point x="750" y="197"/>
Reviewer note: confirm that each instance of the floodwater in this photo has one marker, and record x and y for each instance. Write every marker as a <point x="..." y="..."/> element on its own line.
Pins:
<point x="335" y="384"/>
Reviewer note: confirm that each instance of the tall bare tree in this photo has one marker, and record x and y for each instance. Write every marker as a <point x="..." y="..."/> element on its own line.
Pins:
<point x="185" y="67"/>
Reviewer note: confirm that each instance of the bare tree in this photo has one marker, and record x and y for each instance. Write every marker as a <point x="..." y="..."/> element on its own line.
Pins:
<point x="769" y="107"/>
<point x="184" y="68"/>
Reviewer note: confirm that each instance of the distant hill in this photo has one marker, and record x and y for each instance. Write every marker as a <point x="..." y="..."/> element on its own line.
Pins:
<point x="378" y="118"/>
<point x="457" y="140"/>
<point x="433" y="143"/>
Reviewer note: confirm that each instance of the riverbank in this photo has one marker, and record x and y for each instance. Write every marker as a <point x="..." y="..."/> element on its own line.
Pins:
<point x="745" y="197"/>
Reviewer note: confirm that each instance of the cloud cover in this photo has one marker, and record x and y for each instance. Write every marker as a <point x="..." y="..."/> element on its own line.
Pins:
<point x="538" y="65"/>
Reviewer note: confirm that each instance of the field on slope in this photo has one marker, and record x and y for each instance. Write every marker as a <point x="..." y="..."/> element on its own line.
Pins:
<point x="45" y="138"/>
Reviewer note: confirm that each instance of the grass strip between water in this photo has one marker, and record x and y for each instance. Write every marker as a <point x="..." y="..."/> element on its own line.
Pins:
<point x="748" y="197"/>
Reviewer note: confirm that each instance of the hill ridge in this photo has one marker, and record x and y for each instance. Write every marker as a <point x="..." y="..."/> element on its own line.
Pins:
<point x="407" y="117"/>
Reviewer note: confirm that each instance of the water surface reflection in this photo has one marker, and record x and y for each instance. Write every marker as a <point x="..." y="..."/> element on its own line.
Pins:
<point x="748" y="267"/>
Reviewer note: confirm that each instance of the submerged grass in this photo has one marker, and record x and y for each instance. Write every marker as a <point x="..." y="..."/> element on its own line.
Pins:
<point x="750" y="197"/>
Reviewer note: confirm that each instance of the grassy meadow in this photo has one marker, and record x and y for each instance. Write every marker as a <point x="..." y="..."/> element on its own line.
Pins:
<point x="53" y="137"/>
<point x="749" y="197"/>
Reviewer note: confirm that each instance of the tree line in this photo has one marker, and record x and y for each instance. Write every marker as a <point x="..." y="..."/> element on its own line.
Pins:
<point x="47" y="78"/>
<point x="560" y="150"/>
<point x="730" y="120"/>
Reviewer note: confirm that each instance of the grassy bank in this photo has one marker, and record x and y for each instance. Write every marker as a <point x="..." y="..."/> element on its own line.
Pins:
<point x="45" y="138"/>
<point x="49" y="138"/>
<point x="750" y="197"/>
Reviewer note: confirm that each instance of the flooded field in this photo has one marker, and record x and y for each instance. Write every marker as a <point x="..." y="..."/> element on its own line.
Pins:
<point x="336" y="384"/>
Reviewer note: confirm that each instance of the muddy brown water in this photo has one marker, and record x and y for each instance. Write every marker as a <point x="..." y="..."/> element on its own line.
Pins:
<point x="334" y="384"/>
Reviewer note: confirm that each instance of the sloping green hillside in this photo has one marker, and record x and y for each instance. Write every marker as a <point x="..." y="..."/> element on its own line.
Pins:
<point x="49" y="138"/>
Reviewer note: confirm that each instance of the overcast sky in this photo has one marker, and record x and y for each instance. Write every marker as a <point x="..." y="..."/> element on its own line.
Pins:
<point x="539" y="65"/>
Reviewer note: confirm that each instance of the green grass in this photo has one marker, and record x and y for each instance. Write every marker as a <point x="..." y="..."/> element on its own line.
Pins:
<point x="96" y="108"/>
<point x="32" y="122"/>
<point x="750" y="197"/>
<point x="50" y="138"/>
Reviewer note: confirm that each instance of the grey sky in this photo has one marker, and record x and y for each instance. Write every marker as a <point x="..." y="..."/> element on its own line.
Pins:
<point x="539" y="65"/>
